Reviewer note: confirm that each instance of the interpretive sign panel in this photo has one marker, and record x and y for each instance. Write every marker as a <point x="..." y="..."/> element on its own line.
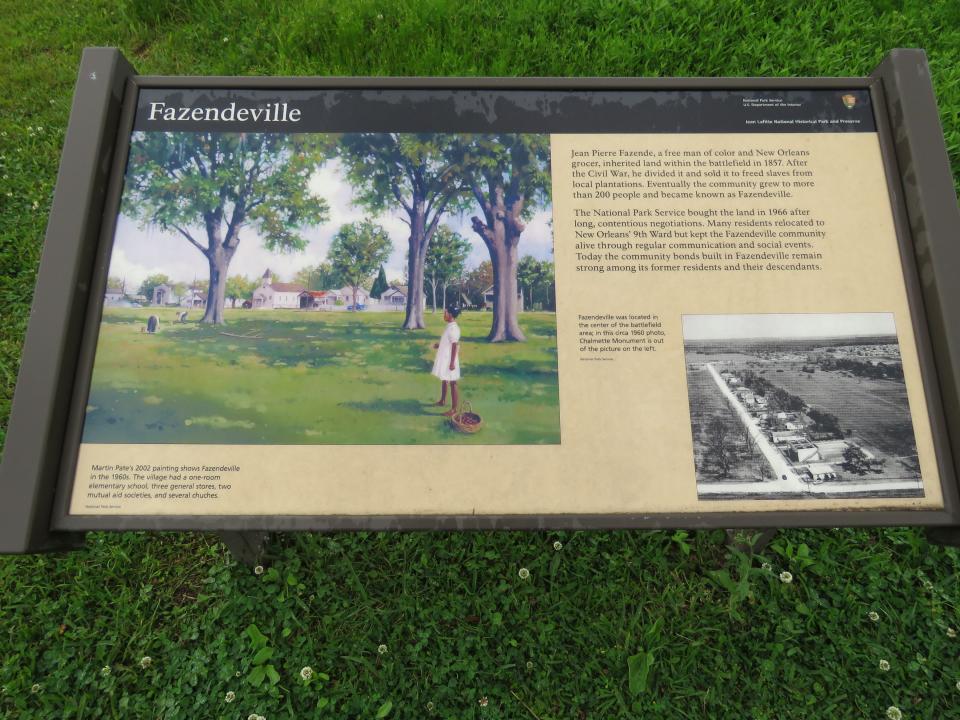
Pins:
<point x="338" y="304"/>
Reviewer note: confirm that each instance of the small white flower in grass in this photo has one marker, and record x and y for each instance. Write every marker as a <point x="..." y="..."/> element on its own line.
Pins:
<point x="253" y="716"/>
<point x="39" y="128"/>
<point x="258" y="570"/>
<point x="146" y="661"/>
<point x="767" y="566"/>
<point x="786" y="577"/>
<point x="951" y="633"/>
<point x="226" y="39"/>
<point x="306" y="672"/>
<point x="893" y="713"/>
<point x="382" y="649"/>
<point x="958" y="684"/>
<point x="230" y="696"/>
<point x="529" y="664"/>
<point x="105" y="670"/>
<point x="483" y="701"/>
<point x="237" y="674"/>
<point x="430" y="707"/>
<point x="35" y="204"/>
<point x="524" y="574"/>
<point x="874" y="616"/>
<point x="35" y="688"/>
<point x="557" y="545"/>
<point x="884" y="665"/>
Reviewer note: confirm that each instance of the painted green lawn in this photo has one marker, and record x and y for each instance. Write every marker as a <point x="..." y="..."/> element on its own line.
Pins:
<point x="614" y="625"/>
<point x="315" y="377"/>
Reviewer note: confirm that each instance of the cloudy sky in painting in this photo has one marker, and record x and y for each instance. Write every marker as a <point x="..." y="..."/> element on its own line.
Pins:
<point x="139" y="252"/>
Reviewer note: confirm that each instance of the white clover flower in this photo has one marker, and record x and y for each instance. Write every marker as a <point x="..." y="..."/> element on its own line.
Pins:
<point x="767" y="566"/>
<point x="226" y="39"/>
<point x="237" y="674"/>
<point x="483" y="701"/>
<point x="874" y="616"/>
<point x="524" y="574"/>
<point x="146" y="661"/>
<point x="35" y="204"/>
<point x="557" y="545"/>
<point x="430" y="705"/>
<point x="893" y="713"/>
<point x="786" y="577"/>
<point x="105" y="670"/>
<point x="253" y="716"/>
<point x="230" y="696"/>
<point x="35" y="688"/>
<point x="529" y="664"/>
<point x="951" y="633"/>
<point x="306" y="672"/>
<point x="382" y="649"/>
<point x="927" y="585"/>
<point x="39" y="128"/>
<point x="258" y="570"/>
<point x="958" y="684"/>
<point x="884" y="665"/>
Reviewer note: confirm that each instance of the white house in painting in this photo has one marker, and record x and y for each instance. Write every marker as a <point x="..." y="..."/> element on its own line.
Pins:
<point x="488" y="296"/>
<point x="318" y="299"/>
<point x="194" y="297"/>
<point x="113" y="296"/>
<point x="395" y="298"/>
<point x="269" y="296"/>
<point x="362" y="298"/>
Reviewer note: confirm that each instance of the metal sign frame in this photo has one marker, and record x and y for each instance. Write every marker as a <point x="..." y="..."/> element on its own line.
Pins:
<point x="36" y="476"/>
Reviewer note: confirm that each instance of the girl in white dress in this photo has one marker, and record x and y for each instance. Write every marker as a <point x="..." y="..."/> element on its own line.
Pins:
<point x="447" y="364"/>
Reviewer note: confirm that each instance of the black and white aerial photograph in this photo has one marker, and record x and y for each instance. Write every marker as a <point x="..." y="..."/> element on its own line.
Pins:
<point x="799" y="405"/>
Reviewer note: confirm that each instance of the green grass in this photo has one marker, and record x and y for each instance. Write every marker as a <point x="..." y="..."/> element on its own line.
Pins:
<point x="315" y="378"/>
<point x="726" y="638"/>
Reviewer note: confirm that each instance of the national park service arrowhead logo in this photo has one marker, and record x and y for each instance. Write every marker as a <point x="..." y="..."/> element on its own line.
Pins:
<point x="849" y="100"/>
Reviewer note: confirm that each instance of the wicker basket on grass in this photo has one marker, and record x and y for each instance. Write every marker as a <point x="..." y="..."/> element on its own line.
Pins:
<point x="465" y="419"/>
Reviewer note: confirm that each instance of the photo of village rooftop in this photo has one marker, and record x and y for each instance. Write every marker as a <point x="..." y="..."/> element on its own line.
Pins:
<point x="799" y="406"/>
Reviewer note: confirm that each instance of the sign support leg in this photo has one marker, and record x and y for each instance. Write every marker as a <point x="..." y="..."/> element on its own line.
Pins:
<point x="246" y="546"/>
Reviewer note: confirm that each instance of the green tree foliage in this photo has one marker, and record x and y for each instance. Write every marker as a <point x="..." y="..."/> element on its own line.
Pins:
<point x="535" y="278"/>
<point x="356" y="252"/>
<point x="446" y="261"/>
<point x="239" y="288"/>
<point x="417" y="172"/>
<point x="208" y="187"/>
<point x="509" y="178"/>
<point x="478" y="280"/>
<point x="380" y="284"/>
<point x="150" y="283"/>
<point x="318" y="277"/>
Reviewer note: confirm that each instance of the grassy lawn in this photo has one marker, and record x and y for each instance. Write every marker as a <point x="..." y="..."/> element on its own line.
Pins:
<point x="612" y="625"/>
<point x="315" y="378"/>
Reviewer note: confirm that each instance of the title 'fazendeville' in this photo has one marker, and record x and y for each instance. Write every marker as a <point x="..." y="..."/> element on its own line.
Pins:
<point x="271" y="112"/>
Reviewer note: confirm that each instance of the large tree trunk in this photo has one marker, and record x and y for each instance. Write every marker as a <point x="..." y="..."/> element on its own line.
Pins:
<point x="416" y="260"/>
<point x="505" y="327"/>
<point x="501" y="234"/>
<point x="219" y="261"/>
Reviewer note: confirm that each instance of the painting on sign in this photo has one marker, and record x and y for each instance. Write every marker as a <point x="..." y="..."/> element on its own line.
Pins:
<point x="301" y="287"/>
<point x="799" y="405"/>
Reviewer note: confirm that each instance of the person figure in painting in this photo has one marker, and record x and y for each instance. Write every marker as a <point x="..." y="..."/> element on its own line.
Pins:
<point x="447" y="364"/>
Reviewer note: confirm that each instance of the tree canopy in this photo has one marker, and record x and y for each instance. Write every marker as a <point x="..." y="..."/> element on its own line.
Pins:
<point x="207" y="187"/>
<point x="357" y="250"/>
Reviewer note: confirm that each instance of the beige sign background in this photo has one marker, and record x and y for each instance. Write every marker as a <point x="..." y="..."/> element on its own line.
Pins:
<point x="626" y="443"/>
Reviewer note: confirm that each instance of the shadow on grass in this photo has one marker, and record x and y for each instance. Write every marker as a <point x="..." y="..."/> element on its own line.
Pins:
<point x="397" y="407"/>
